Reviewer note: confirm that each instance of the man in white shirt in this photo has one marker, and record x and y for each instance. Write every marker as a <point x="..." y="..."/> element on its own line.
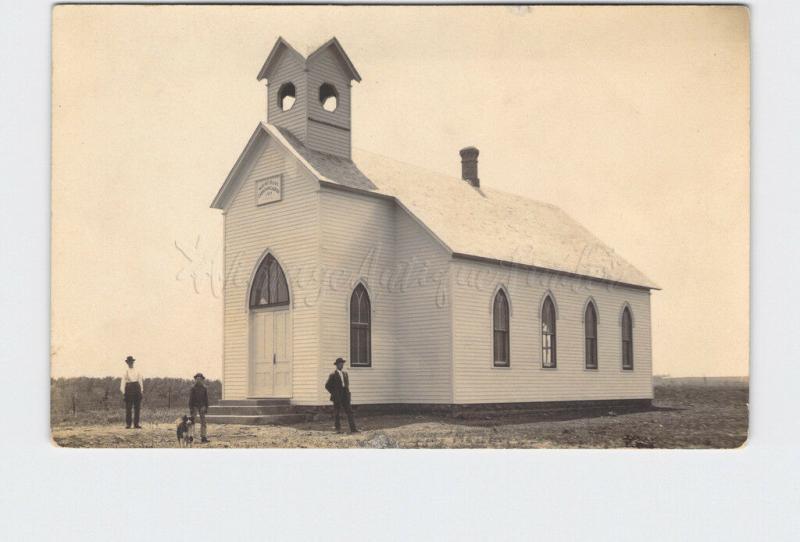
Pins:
<point x="132" y="386"/>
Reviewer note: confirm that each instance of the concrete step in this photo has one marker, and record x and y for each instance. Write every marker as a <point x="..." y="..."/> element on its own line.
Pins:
<point x="250" y="410"/>
<point x="261" y="419"/>
<point x="253" y="402"/>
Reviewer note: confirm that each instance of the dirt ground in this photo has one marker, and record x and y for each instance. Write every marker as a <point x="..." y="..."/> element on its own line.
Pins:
<point x="681" y="417"/>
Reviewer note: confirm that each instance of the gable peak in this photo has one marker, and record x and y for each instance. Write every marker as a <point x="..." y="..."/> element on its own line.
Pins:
<point x="281" y="46"/>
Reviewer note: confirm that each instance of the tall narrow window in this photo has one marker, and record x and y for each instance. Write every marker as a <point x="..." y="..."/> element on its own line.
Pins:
<point x="360" y="323"/>
<point x="269" y="285"/>
<point x="548" y="334"/>
<point x="627" y="339"/>
<point x="590" y="322"/>
<point x="501" y="330"/>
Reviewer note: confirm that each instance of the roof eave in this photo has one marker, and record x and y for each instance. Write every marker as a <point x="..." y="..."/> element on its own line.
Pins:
<point x="220" y="200"/>
<point x="496" y="261"/>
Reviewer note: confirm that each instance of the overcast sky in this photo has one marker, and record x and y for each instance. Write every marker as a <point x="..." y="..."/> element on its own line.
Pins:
<point x="634" y="120"/>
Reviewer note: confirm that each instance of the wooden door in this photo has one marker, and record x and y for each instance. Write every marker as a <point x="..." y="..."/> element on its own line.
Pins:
<point x="271" y="354"/>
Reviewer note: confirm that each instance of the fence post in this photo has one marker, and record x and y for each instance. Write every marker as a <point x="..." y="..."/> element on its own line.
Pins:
<point x="73" y="405"/>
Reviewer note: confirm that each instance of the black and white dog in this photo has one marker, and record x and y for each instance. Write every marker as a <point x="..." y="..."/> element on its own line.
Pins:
<point x="185" y="431"/>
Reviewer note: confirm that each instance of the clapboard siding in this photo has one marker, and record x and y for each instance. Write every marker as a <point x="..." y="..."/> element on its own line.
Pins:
<point x="404" y="269"/>
<point x="289" y="69"/>
<point x="328" y="139"/>
<point x="477" y="381"/>
<point x="423" y="314"/>
<point x="326" y="68"/>
<point x="357" y="244"/>
<point x="288" y="228"/>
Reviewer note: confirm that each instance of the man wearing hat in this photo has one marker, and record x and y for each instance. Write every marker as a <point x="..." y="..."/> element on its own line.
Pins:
<point x="198" y="403"/>
<point x="338" y="385"/>
<point x="132" y="386"/>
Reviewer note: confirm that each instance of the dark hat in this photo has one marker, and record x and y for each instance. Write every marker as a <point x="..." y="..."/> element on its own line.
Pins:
<point x="199" y="375"/>
<point x="338" y="360"/>
<point x="130" y="359"/>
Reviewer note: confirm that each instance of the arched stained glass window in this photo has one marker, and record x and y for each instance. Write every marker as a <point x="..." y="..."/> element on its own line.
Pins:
<point x="627" y="339"/>
<point x="548" y="334"/>
<point x="269" y="285"/>
<point x="360" y="328"/>
<point x="590" y="323"/>
<point x="501" y="330"/>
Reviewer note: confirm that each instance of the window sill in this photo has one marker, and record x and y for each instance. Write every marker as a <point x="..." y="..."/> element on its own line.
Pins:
<point x="548" y="368"/>
<point x="502" y="367"/>
<point x="361" y="367"/>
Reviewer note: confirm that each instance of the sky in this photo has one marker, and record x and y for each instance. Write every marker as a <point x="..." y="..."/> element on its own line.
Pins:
<point x="634" y="120"/>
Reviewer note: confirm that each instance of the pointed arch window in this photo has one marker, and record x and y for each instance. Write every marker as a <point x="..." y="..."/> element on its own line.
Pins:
<point x="590" y="324"/>
<point x="627" y="339"/>
<point x="500" y="324"/>
<point x="548" y="334"/>
<point x="269" y="285"/>
<point x="360" y="328"/>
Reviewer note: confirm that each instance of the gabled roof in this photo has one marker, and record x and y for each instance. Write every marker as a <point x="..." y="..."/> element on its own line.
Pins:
<point x="339" y="50"/>
<point x="282" y="45"/>
<point x="483" y="224"/>
<point x="325" y="167"/>
<point x="488" y="224"/>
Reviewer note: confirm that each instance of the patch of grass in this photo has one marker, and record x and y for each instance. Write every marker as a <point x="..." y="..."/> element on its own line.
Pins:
<point x="113" y="416"/>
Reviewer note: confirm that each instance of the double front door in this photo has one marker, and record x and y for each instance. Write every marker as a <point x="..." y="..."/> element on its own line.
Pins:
<point x="271" y="353"/>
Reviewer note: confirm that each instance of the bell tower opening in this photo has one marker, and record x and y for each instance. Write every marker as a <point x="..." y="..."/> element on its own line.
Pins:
<point x="328" y="97"/>
<point x="287" y="95"/>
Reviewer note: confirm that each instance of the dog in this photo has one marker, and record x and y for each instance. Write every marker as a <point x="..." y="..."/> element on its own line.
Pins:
<point x="185" y="431"/>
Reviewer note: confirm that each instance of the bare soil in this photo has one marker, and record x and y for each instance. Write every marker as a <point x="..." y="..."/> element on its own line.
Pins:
<point x="681" y="417"/>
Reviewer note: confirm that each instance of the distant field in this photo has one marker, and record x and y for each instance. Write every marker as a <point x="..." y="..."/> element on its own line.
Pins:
<point x="684" y="416"/>
<point x="87" y="401"/>
<point x="713" y="381"/>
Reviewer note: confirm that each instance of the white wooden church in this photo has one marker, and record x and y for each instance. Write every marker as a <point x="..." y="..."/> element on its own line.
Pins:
<point x="435" y="289"/>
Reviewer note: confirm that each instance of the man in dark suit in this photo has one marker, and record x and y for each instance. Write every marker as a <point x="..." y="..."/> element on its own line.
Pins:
<point x="338" y="385"/>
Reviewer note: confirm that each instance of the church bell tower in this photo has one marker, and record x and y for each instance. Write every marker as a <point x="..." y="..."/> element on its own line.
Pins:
<point x="310" y="96"/>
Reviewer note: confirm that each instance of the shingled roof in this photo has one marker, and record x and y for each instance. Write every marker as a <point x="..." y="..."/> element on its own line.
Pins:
<point x="480" y="223"/>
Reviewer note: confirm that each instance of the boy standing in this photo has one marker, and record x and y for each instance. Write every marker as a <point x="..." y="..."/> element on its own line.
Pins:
<point x="198" y="403"/>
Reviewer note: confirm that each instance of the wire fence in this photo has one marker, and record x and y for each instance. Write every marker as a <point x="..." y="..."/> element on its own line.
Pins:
<point x="74" y="396"/>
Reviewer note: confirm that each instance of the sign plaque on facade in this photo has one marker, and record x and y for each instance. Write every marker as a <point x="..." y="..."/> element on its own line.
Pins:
<point x="268" y="190"/>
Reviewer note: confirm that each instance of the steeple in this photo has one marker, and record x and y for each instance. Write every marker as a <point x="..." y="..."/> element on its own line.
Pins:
<point x="310" y="96"/>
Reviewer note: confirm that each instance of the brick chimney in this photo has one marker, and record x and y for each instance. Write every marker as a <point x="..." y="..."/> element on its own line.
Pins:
<point x="469" y="165"/>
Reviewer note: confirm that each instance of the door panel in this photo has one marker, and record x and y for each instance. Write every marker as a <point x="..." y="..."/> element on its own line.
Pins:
<point x="283" y="355"/>
<point x="262" y="325"/>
